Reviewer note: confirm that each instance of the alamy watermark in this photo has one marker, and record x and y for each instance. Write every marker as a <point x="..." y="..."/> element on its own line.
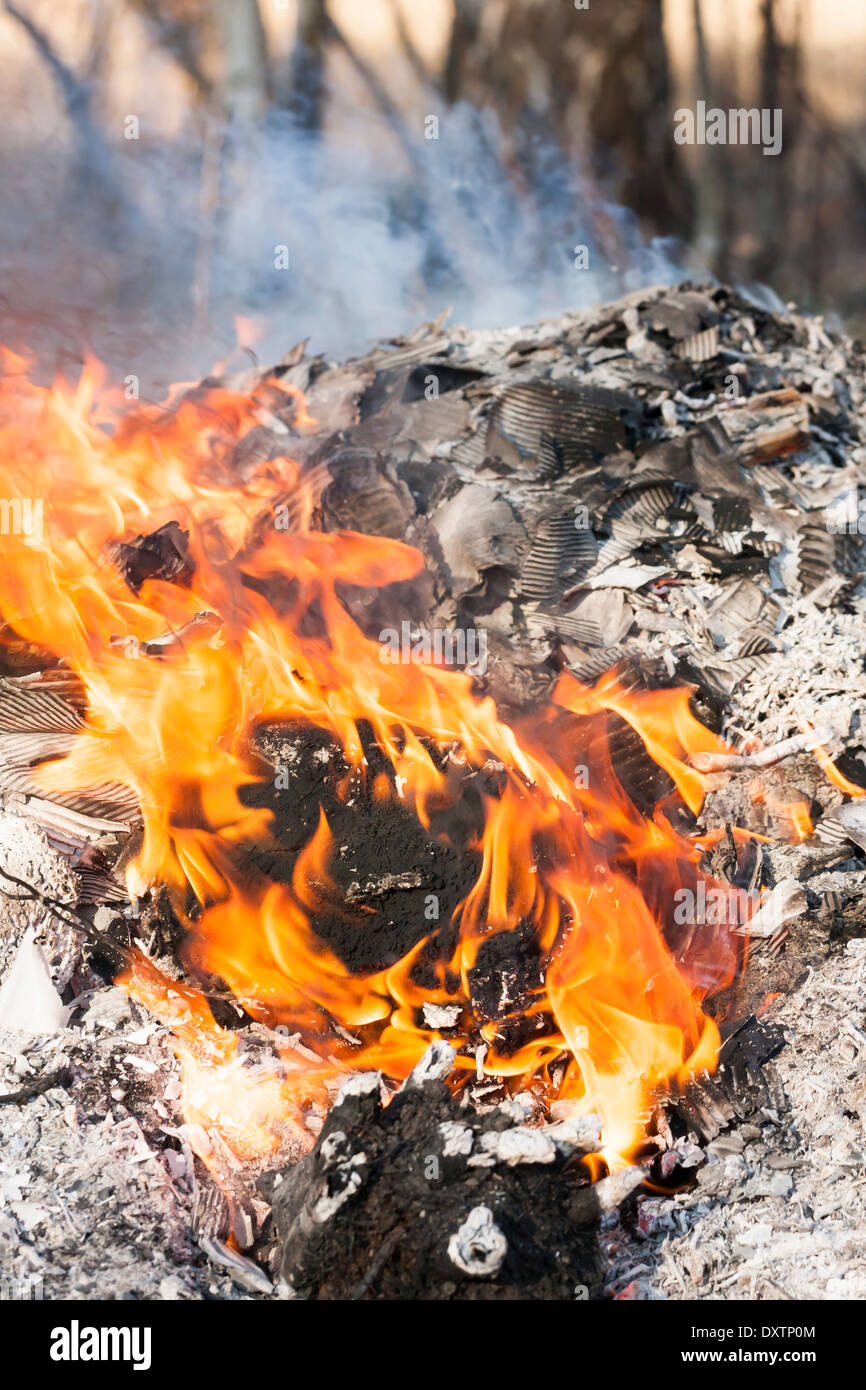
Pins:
<point x="847" y="516"/>
<point x="24" y="1288"/>
<point x="737" y="126"/>
<point x="729" y="906"/>
<point x="22" y="516"/>
<point x="77" y="1343"/>
<point x="437" y="646"/>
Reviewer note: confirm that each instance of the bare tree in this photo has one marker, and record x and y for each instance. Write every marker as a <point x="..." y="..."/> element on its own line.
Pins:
<point x="94" y="167"/>
<point x="597" y="78"/>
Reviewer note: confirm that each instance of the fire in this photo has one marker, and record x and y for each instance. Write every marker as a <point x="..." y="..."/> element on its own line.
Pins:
<point x="832" y="773"/>
<point x="575" y="869"/>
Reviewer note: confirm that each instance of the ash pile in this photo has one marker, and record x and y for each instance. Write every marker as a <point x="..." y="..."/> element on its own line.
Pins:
<point x="669" y="483"/>
<point x="672" y="477"/>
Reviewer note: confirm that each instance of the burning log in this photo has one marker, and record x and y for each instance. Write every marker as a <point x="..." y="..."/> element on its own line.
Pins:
<point x="426" y="1199"/>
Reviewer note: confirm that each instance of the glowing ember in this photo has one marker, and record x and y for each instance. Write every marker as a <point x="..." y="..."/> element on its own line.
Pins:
<point x="577" y="868"/>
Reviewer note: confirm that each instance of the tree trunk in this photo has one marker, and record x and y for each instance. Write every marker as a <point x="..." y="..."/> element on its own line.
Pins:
<point x="244" y="82"/>
<point x="307" y="96"/>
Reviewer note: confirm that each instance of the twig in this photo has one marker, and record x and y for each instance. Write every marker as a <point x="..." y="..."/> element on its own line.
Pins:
<point x="765" y="757"/>
<point x="66" y="914"/>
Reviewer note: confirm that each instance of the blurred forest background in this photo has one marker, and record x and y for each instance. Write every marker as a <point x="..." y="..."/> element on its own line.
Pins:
<point x="341" y="169"/>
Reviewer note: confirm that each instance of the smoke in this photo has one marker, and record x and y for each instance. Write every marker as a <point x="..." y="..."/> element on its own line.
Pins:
<point x="374" y="248"/>
<point x="147" y="253"/>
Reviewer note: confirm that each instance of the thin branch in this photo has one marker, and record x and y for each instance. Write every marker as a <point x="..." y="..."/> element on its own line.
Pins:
<point x="67" y="915"/>
<point x="416" y="62"/>
<point x="178" y="41"/>
<point x="377" y="89"/>
<point x="94" y="152"/>
<point x="76" y="94"/>
<point x="702" y="55"/>
<point x="395" y="120"/>
<point x="99" y="43"/>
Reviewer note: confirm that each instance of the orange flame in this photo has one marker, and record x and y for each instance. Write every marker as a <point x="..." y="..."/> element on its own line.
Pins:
<point x="833" y="775"/>
<point x="584" y="877"/>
